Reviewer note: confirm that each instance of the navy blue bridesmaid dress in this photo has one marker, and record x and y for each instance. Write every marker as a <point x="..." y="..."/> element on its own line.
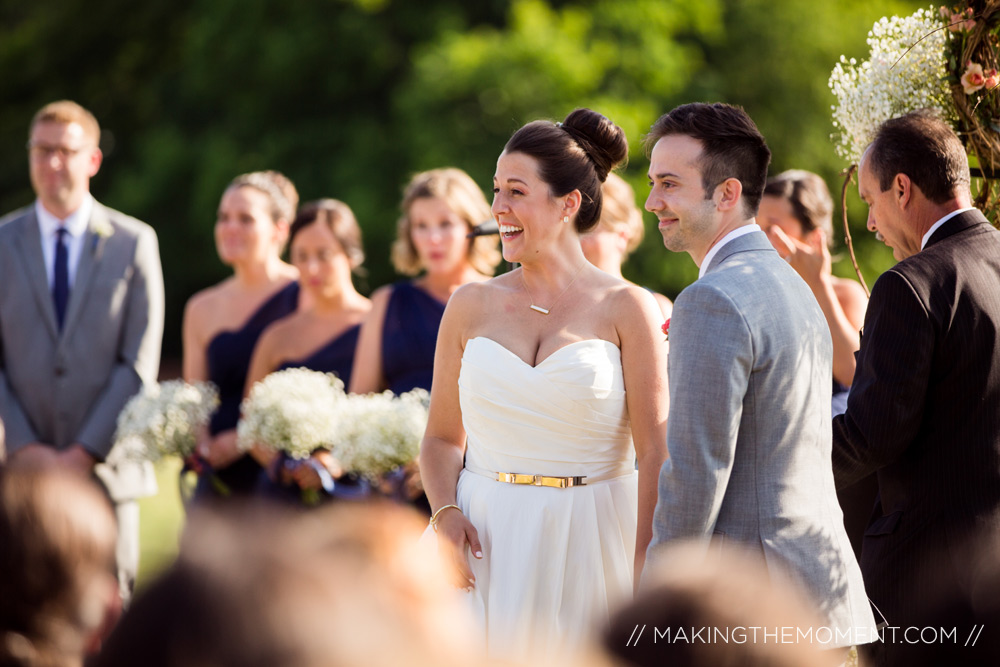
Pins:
<point x="409" y="337"/>
<point x="228" y="357"/>
<point x="337" y="357"/>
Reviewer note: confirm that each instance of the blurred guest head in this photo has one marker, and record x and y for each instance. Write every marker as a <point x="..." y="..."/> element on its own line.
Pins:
<point x="58" y="587"/>
<point x="799" y="203"/>
<point x="440" y="207"/>
<point x="342" y="585"/>
<point x="729" y="596"/>
<point x="253" y="218"/>
<point x="619" y="230"/>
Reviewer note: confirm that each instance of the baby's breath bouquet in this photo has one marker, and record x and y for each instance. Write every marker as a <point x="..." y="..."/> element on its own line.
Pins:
<point x="380" y="432"/>
<point x="294" y="411"/>
<point x="163" y="420"/>
<point x="907" y="69"/>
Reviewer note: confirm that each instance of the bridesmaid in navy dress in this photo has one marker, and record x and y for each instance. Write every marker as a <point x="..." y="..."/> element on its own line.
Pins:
<point x="222" y="323"/>
<point x="325" y="243"/>
<point x="396" y="346"/>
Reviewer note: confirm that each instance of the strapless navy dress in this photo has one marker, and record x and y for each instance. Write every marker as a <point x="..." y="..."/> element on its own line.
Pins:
<point x="229" y="356"/>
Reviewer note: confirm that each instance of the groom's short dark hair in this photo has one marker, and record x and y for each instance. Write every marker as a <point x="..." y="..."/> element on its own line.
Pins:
<point x="732" y="146"/>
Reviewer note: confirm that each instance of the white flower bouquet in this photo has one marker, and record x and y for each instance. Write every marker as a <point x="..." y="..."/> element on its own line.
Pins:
<point x="297" y="411"/>
<point x="906" y="70"/>
<point x="380" y="432"/>
<point x="163" y="420"/>
<point x="294" y="411"/>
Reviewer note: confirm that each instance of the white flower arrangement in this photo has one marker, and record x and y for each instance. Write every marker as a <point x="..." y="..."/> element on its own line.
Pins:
<point x="381" y="432"/>
<point x="292" y="411"/>
<point x="297" y="411"/>
<point x="163" y="420"/>
<point x="890" y="83"/>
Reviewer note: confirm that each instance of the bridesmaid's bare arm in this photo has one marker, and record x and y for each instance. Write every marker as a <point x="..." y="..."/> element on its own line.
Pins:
<point x="367" y="374"/>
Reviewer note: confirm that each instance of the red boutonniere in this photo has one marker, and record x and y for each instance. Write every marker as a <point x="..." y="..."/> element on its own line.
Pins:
<point x="666" y="328"/>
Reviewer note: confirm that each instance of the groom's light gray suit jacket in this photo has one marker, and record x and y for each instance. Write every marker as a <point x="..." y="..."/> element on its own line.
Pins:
<point x="749" y="432"/>
<point x="62" y="387"/>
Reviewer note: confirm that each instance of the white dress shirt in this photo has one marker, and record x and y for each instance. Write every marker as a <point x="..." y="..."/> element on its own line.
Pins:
<point x="940" y="222"/>
<point x="735" y="234"/>
<point x="76" y="231"/>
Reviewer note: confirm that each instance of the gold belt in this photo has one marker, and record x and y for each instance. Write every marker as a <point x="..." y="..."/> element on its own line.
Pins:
<point x="541" y="480"/>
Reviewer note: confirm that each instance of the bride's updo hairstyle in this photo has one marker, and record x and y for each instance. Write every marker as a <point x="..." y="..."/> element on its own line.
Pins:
<point x="576" y="154"/>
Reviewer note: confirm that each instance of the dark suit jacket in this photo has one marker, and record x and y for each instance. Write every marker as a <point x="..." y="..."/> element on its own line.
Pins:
<point x="62" y="387"/>
<point x="924" y="412"/>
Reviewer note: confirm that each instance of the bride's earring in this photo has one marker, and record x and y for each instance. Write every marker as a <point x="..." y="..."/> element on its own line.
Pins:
<point x="566" y="219"/>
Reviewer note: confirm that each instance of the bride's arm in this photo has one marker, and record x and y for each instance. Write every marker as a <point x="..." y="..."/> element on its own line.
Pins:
<point x="443" y="447"/>
<point x="644" y="365"/>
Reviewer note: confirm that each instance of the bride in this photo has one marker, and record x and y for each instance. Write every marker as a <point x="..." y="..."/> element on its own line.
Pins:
<point x="544" y="377"/>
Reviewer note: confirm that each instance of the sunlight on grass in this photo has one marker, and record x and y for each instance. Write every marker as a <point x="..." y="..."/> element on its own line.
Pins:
<point x="160" y="522"/>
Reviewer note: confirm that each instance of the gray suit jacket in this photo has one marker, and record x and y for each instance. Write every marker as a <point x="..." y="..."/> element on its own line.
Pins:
<point x="749" y="436"/>
<point x="61" y="388"/>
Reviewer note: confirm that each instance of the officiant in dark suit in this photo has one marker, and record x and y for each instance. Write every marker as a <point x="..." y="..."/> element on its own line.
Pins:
<point x="924" y="409"/>
<point x="81" y="318"/>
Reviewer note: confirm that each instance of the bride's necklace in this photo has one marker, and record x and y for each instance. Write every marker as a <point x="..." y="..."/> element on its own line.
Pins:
<point x="531" y="299"/>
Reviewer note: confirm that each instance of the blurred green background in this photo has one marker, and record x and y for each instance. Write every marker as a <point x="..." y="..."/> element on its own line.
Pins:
<point x="350" y="97"/>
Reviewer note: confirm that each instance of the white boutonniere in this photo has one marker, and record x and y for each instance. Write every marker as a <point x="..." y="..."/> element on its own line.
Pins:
<point x="101" y="229"/>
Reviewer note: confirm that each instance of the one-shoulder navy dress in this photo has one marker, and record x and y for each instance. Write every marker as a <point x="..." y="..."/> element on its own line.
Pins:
<point x="229" y="356"/>
<point x="409" y="336"/>
<point x="336" y="357"/>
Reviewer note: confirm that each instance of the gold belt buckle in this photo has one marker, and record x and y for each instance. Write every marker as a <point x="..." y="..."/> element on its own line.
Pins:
<point x="541" y="480"/>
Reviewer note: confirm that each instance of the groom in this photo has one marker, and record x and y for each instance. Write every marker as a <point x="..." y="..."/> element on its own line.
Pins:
<point x="749" y="370"/>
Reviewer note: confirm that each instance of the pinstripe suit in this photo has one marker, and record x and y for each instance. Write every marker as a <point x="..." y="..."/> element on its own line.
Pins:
<point x="924" y="411"/>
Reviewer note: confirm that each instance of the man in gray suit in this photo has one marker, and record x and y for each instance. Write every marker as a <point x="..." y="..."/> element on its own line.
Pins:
<point x="81" y="318"/>
<point x="749" y="371"/>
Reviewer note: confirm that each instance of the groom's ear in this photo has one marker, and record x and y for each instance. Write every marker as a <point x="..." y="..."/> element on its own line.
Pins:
<point x="728" y="194"/>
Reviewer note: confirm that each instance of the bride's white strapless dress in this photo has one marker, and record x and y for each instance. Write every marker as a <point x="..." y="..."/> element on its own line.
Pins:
<point x="555" y="561"/>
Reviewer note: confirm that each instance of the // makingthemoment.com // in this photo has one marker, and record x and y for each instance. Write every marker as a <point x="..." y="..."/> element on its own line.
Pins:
<point x="796" y="635"/>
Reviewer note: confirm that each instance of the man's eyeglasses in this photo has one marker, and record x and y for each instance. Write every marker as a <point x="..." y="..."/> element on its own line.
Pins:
<point x="45" y="152"/>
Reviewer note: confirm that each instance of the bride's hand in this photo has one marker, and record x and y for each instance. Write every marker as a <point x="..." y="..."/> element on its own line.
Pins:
<point x="455" y="532"/>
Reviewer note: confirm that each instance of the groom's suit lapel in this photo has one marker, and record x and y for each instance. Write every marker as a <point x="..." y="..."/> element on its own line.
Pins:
<point x="33" y="261"/>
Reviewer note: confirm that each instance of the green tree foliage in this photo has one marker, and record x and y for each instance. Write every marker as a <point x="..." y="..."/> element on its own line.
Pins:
<point x="350" y="97"/>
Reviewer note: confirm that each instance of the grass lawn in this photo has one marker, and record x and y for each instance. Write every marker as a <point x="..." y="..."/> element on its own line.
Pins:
<point x="161" y="518"/>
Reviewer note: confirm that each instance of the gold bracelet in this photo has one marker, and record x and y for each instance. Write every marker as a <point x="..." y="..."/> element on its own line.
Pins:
<point x="434" y="517"/>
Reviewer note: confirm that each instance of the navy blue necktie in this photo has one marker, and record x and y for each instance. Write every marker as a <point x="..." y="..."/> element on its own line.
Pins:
<point x="60" y="281"/>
